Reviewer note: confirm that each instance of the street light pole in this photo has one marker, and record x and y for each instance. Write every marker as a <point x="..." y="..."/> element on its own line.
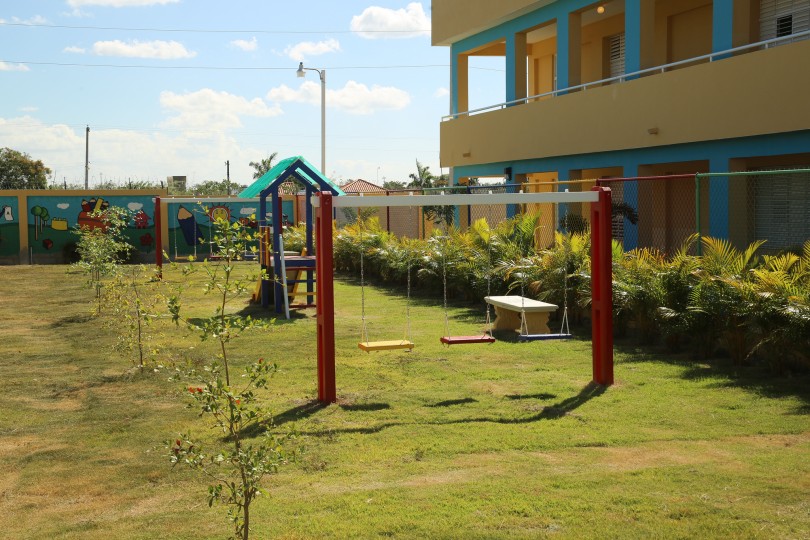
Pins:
<point x="301" y="72"/>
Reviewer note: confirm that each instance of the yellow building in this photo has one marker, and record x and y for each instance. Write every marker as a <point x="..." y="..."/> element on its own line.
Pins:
<point x="628" y="88"/>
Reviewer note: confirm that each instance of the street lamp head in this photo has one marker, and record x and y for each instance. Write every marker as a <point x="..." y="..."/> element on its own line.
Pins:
<point x="301" y="72"/>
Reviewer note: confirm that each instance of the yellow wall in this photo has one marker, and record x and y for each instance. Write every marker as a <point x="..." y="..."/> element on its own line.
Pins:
<point x="731" y="98"/>
<point x="453" y="20"/>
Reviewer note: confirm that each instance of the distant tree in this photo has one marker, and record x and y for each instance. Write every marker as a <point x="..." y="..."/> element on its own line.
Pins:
<point x="127" y="184"/>
<point x="214" y="188"/>
<point x="261" y="167"/>
<point x="19" y="171"/>
<point x="393" y="184"/>
<point x="423" y="178"/>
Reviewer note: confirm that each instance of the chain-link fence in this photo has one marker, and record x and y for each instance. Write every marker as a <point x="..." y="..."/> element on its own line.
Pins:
<point x="662" y="212"/>
<point x="659" y="212"/>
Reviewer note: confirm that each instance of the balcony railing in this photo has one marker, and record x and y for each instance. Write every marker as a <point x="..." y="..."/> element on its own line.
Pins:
<point x="625" y="76"/>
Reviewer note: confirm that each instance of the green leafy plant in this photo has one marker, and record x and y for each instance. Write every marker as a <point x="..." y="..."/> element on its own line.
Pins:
<point x="135" y="302"/>
<point x="239" y="460"/>
<point x="102" y="248"/>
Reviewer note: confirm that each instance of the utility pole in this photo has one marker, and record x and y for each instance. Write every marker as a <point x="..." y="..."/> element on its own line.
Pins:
<point x="87" y="158"/>
<point x="228" y="177"/>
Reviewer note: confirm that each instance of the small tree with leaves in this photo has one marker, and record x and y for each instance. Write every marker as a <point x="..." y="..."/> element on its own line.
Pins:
<point x="135" y="301"/>
<point x="103" y="247"/>
<point x="237" y="462"/>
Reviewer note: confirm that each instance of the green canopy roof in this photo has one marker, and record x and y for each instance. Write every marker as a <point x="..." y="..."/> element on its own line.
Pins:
<point x="296" y="167"/>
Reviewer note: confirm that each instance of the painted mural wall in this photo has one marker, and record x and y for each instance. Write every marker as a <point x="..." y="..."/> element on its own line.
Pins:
<point x="53" y="218"/>
<point x="190" y="226"/>
<point x="37" y="226"/>
<point x="9" y="227"/>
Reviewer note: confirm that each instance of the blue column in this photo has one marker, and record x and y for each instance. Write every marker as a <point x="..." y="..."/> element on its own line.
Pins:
<point x="511" y="209"/>
<point x="511" y="74"/>
<point x="453" y="81"/>
<point x="632" y="35"/>
<point x="562" y="51"/>
<point x="722" y="25"/>
<point x="630" y="197"/>
<point x="718" y="199"/>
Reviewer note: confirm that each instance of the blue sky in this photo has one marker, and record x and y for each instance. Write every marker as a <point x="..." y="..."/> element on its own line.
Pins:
<point x="178" y="110"/>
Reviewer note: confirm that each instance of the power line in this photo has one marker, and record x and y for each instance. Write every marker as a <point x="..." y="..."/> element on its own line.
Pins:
<point x="212" y="31"/>
<point x="212" y="68"/>
<point x="231" y="68"/>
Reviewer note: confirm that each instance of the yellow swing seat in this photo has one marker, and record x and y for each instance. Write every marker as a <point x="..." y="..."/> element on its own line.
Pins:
<point x="369" y="346"/>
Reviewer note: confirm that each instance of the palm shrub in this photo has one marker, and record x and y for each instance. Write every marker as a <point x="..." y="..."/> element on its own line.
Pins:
<point x="638" y="292"/>
<point x="560" y="274"/>
<point x="675" y="319"/>
<point x="724" y="309"/>
<point x="779" y="293"/>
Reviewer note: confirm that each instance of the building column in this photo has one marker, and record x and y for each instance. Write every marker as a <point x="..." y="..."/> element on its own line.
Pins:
<point x="630" y="197"/>
<point x="459" y="82"/>
<point x="516" y="76"/>
<point x="569" y="50"/>
<point x="722" y="25"/>
<point x="718" y="198"/>
<point x="639" y="36"/>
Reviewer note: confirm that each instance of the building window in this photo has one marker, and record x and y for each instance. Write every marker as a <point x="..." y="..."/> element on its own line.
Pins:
<point x="780" y="18"/>
<point x="784" y="26"/>
<point x="616" y="54"/>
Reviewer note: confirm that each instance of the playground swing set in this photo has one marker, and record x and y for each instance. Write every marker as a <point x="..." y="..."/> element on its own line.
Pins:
<point x="321" y="194"/>
<point x="601" y="287"/>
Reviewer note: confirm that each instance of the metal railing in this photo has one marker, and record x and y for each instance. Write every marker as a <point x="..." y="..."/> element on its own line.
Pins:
<point x="711" y="57"/>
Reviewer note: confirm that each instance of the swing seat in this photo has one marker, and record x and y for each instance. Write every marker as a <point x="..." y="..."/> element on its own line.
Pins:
<point x="467" y="340"/>
<point x="369" y="346"/>
<point x="543" y="337"/>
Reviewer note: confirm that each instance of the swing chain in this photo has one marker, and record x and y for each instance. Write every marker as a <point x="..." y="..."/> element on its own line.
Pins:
<point x="444" y="287"/>
<point x="524" y="327"/>
<point x="489" y="269"/>
<point x="364" y="329"/>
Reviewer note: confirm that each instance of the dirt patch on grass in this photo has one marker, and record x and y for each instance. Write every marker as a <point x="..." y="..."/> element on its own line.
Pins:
<point x="667" y="453"/>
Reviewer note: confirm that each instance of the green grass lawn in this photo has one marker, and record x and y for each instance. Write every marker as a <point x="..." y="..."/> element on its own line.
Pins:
<point x="479" y="441"/>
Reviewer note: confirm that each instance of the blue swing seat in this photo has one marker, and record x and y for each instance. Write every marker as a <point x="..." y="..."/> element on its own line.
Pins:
<point x="543" y="337"/>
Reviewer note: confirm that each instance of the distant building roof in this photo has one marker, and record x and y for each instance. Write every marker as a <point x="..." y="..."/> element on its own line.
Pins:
<point x="362" y="186"/>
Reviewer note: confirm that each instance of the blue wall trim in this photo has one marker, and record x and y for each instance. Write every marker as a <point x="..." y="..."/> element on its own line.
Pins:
<point x="795" y="142"/>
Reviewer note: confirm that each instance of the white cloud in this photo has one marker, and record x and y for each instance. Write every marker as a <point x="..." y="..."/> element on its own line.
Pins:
<point x="211" y="110"/>
<point x="246" y="211"/>
<point x="300" y="51"/>
<point x="354" y="98"/>
<point x="29" y="108"/>
<point x="5" y="66"/>
<point x="121" y="154"/>
<point x="379" y="23"/>
<point x="135" y="206"/>
<point x="162" y="50"/>
<point x="441" y="92"/>
<point x="246" y="45"/>
<point x="74" y="50"/>
<point x="118" y="3"/>
<point x="63" y="206"/>
<point x="36" y="19"/>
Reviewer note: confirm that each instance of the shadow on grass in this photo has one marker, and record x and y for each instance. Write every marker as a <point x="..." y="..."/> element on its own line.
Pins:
<point x="542" y="396"/>
<point x="722" y="373"/>
<point x="71" y="319"/>
<point x="365" y="406"/>
<point x="550" y="412"/>
<point x="451" y="402"/>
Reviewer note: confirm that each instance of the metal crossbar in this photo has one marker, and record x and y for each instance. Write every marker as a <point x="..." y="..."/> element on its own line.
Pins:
<point x="462" y="200"/>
